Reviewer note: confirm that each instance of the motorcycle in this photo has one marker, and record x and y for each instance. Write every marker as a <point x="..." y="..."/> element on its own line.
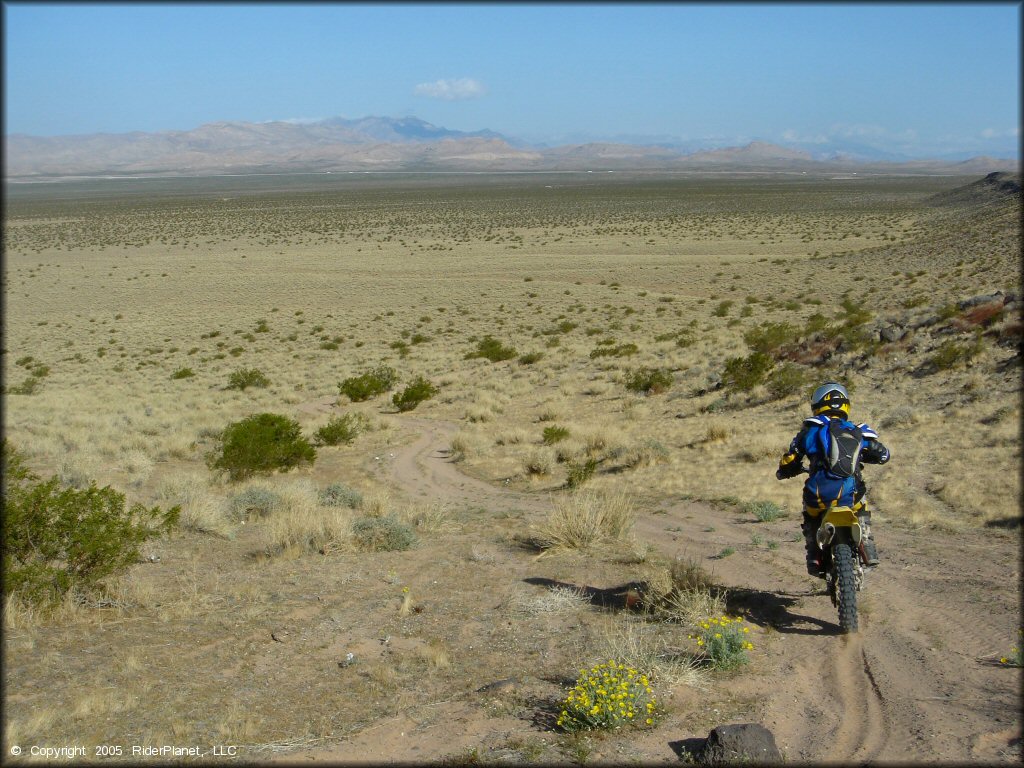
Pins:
<point x="841" y="541"/>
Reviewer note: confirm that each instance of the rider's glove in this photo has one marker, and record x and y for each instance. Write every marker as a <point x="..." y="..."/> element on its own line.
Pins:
<point x="789" y="466"/>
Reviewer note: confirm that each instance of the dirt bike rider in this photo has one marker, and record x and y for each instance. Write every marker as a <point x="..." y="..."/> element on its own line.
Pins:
<point x="837" y="449"/>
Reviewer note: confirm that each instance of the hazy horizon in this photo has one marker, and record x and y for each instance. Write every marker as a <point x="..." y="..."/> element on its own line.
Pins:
<point x="912" y="81"/>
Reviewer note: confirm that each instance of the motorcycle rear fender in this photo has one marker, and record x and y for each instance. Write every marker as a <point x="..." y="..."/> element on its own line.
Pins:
<point x="838" y="517"/>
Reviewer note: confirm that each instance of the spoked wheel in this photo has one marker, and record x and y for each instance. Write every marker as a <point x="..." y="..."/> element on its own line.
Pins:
<point x="846" y="585"/>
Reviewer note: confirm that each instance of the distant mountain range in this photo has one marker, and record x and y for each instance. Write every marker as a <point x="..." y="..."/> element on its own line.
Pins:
<point x="408" y="144"/>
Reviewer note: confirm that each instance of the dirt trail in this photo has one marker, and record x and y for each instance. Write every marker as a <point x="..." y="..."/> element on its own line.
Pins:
<point x="918" y="683"/>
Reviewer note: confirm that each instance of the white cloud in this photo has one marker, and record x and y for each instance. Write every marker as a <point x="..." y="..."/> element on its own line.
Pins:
<point x="452" y="90"/>
<point x="996" y="133"/>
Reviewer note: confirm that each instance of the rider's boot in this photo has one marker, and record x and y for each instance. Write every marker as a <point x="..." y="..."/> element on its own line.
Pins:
<point x="868" y="539"/>
<point x="810" y="526"/>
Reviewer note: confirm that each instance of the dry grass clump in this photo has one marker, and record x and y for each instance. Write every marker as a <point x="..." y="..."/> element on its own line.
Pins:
<point x="539" y="461"/>
<point x="301" y="525"/>
<point x="571" y="449"/>
<point x="716" y="433"/>
<point x="202" y="510"/>
<point x="485" y="408"/>
<point x="553" y="410"/>
<point x="468" y="443"/>
<point x="761" y="450"/>
<point x="512" y="436"/>
<point x="434" y="517"/>
<point x="682" y="593"/>
<point x="645" y="454"/>
<point x="557" y="599"/>
<point x="76" y="469"/>
<point x="585" y="519"/>
<point x="376" y="503"/>
<point x="479" y="414"/>
<point x="643" y="644"/>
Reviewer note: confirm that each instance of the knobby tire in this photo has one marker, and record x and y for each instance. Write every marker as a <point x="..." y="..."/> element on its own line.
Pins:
<point x="846" y="585"/>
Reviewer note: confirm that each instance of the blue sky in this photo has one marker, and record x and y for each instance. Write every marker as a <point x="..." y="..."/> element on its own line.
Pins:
<point x="916" y="79"/>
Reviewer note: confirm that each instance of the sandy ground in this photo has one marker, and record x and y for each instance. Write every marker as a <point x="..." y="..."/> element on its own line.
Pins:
<point x="910" y="687"/>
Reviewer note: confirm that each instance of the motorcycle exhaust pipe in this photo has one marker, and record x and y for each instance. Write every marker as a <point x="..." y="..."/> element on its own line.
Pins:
<point x="825" y="534"/>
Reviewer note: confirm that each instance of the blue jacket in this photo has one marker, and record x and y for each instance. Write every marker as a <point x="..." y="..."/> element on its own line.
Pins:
<point x="812" y="441"/>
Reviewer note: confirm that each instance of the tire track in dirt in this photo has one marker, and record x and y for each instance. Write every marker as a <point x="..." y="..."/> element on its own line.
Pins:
<point x="823" y="702"/>
<point x="888" y="693"/>
<point x="863" y="726"/>
<point x="425" y="469"/>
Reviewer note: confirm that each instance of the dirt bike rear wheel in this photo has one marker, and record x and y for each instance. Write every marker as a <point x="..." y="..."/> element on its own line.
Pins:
<point x="846" y="585"/>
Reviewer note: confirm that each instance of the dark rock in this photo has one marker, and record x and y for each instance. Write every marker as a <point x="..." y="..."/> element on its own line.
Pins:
<point x="740" y="743"/>
<point x="986" y="299"/>
<point x="892" y="333"/>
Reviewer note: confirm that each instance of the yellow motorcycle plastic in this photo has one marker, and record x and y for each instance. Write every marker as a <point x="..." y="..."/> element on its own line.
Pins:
<point x="838" y="517"/>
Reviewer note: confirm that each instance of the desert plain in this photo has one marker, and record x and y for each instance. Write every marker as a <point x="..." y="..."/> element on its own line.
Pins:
<point x="276" y="630"/>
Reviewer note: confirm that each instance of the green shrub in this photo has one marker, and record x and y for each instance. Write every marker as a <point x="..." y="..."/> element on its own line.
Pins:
<point x="744" y="373"/>
<point x="578" y="472"/>
<point x="183" y="373"/>
<point x="490" y="348"/>
<point x="530" y="358"/>
<point x="415" y="393"/>
<point x="382" y="534"/>
<point x="949" y="311"/>
<point x="553" y="434"/>
<point x="247" y="377"/>
<point x="769" y="337"/>
<point x="788" y="379"/>
<point x="815" y="324"/>
<point x="855" y="314"/>
<point x="953" y="353"/>
<point x="685" y="339"/>
<point x="339" y="495"/>
<point x="764" y="511"/>
<point x="649" y="381"/>
<point x="722" y="309"/>
<point x="341" y="429"/>
<point x="58" y="540"/>
<point x="370" y="384"/>
<point x="622" y="350"/>
<point x="254" y="502"/>
<point x="261" y="443"/>
<point x="28" y="387"/>
<point x="722" y="642"/>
